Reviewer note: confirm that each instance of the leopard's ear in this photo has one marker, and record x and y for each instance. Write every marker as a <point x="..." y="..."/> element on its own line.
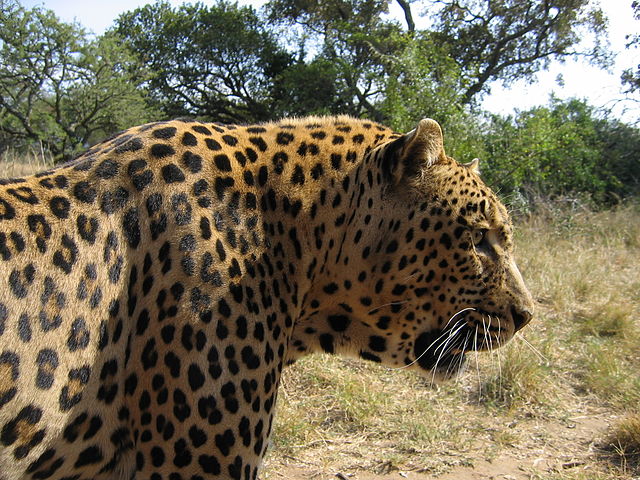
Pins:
<point x="473" y="165"/>
<point x="415" y="151"/>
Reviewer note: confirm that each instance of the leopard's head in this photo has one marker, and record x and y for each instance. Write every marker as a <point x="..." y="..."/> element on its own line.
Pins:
<point x="431" y="273"/>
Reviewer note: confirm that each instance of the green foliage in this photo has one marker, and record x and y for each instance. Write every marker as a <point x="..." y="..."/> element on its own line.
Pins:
<point x="58" y="87"/>
<point x="372" y="67"/>
<point x="423" y="82"/>
<point x="563" y="148"/>
<point x="620" y="155"/>
<point x="308" y="89"/>
<point x="216" y="62"/>
<point x="352" y="36"/>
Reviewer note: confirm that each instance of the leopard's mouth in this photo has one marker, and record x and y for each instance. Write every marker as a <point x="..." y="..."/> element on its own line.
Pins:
<point x="443" y="351"/>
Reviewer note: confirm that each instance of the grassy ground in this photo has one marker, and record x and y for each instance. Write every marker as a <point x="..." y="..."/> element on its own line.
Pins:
<point x="14" y="164"/>
<point x="561" y="401"/>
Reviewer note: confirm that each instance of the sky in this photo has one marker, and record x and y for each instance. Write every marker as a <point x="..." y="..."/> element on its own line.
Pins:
<point x="601" y="88"/>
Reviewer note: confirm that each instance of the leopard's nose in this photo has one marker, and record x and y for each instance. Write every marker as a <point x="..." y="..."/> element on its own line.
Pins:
<point x="520" y="317"/>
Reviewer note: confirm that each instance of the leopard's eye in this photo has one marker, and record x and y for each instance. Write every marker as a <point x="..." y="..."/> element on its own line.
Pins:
<point x="479" y="235"/>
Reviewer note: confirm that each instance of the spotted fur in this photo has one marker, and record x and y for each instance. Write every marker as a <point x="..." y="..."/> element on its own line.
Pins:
<point x="154" y="288"/>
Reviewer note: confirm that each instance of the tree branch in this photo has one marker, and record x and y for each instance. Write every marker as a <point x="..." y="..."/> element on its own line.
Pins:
<point x="406" y="8"/>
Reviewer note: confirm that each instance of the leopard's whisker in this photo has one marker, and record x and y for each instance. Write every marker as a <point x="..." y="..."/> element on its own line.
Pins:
<point x="445" y="332"/>
<point x="486" y="334"/>
<point x="521" y="338"/>
<point x="460" y="358"/>
<point x="411" y="276"/>
<point x="458" y="313"/>
<point x="424" y="352"/>
<point x="498" y="356"/>
<point x="447" y="346"/>
<point x="398" y="302"/>
<point x="452" y="335"/>
<point x="475" y="348"/>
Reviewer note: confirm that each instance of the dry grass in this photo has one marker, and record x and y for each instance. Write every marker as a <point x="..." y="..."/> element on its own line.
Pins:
<point x="555" y="389"/>
<point x="333" y="411"/>
<point x="14" y="164"/>
<point x="623" y="443"/>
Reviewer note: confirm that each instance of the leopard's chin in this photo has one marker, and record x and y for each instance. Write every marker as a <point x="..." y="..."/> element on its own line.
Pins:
<point x="449" y="367"/>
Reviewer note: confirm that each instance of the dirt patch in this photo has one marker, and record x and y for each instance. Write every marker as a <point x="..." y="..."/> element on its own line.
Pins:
<point x="550" y="448"/>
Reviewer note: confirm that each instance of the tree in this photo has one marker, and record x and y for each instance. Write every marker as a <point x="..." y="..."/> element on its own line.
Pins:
<point x="307" y="89"/>
<point x="422" y="81"/>
<point x="60" y="89"/>
<point x="352" y="38"/>
<point x="630" y="77"/>
<point x="509" y="40"/>
<point x="486" y="41"/>
<point x="216" y="62"/>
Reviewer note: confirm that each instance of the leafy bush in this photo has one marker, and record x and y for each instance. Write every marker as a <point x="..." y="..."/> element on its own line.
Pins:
<point x="563" y="148"/>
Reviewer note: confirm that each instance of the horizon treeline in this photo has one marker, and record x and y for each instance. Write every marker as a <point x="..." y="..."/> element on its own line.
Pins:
<point x="63" y="89"/>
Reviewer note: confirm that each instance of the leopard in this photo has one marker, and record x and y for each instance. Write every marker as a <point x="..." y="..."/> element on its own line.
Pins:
<point x="155" y="287"/>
